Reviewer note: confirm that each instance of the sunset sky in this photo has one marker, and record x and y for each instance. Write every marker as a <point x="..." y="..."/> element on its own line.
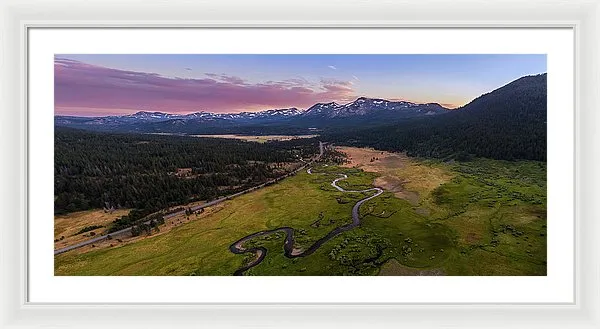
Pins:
<point x="98" y="85"/>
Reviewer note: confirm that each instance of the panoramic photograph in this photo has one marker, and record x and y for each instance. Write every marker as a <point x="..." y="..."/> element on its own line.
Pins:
<point x="300" y="165"/>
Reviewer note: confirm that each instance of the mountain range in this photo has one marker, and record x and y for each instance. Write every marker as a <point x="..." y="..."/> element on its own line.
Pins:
<point x="507" y="123"/>
<point x="318" y="116"/>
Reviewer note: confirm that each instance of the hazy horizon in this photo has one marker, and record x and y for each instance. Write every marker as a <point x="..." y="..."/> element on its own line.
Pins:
<point x="103" y="85"/>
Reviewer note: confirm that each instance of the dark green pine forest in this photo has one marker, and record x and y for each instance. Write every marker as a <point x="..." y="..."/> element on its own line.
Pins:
<point x="96" y="170"/>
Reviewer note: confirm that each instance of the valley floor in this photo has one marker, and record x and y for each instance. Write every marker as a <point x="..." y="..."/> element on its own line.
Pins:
<point x="259" y="138"/>
<point x="482" y="217"/>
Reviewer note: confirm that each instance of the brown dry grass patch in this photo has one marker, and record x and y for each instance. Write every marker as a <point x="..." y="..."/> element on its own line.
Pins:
<point x="397" y="186"/>
<point x="407" y="178"/>
<point x="69" y="224"/>
<point x="361" y="158"/>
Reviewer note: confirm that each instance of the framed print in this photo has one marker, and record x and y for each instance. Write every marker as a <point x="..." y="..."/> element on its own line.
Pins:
<point x="318" y="164"/>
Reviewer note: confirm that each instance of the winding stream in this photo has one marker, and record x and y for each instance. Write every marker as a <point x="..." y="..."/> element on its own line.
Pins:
<point x="288" y="246"/>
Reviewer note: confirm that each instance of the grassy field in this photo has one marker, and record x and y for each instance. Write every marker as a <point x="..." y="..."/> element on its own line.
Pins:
<point x="78" y="226"/>
<point x="202" y="247"/>
<point x="498" y="211"/>
<point x="475" y="218"/>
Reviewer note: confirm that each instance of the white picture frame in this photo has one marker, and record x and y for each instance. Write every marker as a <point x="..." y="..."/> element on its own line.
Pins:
<point x="18" y="17"/>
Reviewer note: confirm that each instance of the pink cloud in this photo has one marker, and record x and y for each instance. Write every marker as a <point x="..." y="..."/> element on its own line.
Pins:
<point x="83" y="88"/>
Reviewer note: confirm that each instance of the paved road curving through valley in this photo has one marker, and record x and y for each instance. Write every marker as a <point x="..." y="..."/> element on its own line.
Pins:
<point x="288" y="245"/>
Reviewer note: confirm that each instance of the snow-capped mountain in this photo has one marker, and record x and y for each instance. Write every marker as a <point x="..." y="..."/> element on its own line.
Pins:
<point x="274" y="113"/>
<point x="321" y="108"/>
<point x="145" y="115"/>
<point x="319" y="115"/>
<point x="370" y="106"/>
<point x="160" y="116"/>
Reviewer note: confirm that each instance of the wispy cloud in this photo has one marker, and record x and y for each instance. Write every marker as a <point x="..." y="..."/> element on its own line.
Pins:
<point x="355" y="78"/>
<point x="86" y="87"/>
<point x="227" y="78"/>
<point x="332" y="67"/>
<point x="330" y="81"/>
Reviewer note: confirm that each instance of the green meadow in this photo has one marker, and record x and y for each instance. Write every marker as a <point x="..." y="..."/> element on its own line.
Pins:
<point x="489" y="218"/>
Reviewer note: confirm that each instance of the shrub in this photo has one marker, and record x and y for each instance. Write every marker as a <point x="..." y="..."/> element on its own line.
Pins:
<point x="88" y="228"/>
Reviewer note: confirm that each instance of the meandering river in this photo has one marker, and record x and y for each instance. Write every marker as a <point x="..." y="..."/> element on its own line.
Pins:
<point x="288" y="246"/>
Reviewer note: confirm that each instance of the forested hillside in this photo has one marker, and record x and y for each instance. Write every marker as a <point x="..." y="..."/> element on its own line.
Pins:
<point x="152" y="172"/>
<point x="508" y="123"/>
